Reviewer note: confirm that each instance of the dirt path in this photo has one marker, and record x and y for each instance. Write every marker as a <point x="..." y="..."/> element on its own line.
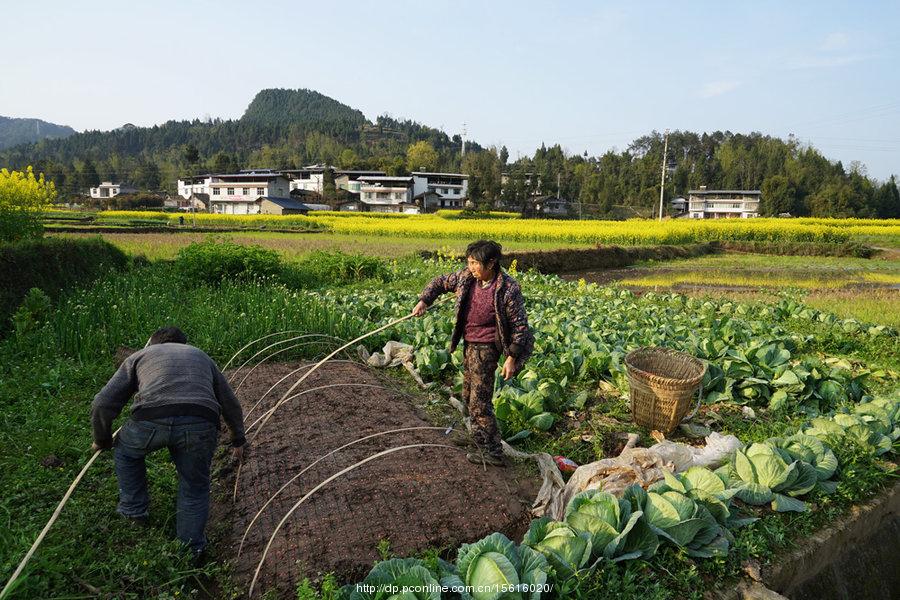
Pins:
<point x="415" y="499"/>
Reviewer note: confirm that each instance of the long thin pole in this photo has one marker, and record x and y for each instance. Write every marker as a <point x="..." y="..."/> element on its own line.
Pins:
<point x="662" y="185"/>
<point x="43" y="534"/>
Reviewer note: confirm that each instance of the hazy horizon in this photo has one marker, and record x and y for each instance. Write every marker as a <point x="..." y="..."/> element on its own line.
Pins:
<point x="589" y="76"/>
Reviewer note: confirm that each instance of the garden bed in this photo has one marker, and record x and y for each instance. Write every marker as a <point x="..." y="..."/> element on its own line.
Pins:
<point x="413" y="500"/>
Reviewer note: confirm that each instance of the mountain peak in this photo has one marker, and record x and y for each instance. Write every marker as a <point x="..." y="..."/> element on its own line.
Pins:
<point x="15" y="131"/>
<point x="284" y="107"/>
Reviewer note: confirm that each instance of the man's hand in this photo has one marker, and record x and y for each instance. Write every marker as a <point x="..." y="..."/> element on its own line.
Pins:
<point x="95" y="447"/>
<point x="419" y="309"/>
<point x="238" y="454"/>
<point x="509" y="367"/>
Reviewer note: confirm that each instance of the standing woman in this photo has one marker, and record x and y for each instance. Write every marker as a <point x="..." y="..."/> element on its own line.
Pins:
<point x="491" y="320"/>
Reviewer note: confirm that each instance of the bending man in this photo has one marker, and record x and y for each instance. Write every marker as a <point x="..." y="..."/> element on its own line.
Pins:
<point x="179" y="394"/>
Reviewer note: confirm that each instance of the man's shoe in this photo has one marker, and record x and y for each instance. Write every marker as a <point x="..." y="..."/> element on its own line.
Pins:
<point x="137" y="521"/>
<point x="481" y="458"/>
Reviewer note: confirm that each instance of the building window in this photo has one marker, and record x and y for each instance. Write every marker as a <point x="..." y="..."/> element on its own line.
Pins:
<point x="398" y="196"/>
<point x="261" y="191"/>
<point x="216" y="191"/>
<point x="246" y="191"/>
<point x="230" y="191"/>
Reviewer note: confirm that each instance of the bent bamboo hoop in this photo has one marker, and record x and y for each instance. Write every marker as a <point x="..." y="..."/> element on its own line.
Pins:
<point x="237" y="473"/>
<point x="59" y="507"/>
<point x="248" y="344"/>
<point x="278" y="343"/>
<point x="321" y="362"/>
<point x="326" y="482"/>
<point x="270" y="356"/>
<point x="315" y="389"/>
<point x="277" y="383"/>
<point x="314" y="463"/>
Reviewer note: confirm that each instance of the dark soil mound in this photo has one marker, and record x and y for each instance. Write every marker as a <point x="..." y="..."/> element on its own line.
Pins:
<point x="415" y="499"/>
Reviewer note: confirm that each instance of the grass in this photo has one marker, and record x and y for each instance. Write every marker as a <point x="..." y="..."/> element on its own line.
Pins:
<point x="164" y="246"/>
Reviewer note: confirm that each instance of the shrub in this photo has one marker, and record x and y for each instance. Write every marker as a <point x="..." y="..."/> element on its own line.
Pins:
<point x="331" y="268"/>
<point x="213" y="261"/>
<point x="23" y="198"/>
<point x="51" y="265"/>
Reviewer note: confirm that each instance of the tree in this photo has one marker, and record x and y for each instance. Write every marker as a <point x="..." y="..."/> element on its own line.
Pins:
<point x="504" y="157"/>
<point x="23" y="197"/>
<point x="191" y="154"/>
<point x="887" y="200"/>
<point x="421" y="156"/>
<point x="349" y="159"/>
<point x="148" y="176"/>
<point x="87" y="176"/>
<point x="778" y="196"/>
<point x="222" y="163"/>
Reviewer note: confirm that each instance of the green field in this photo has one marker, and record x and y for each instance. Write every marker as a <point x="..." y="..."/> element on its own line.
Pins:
<point x="790" y="355"/>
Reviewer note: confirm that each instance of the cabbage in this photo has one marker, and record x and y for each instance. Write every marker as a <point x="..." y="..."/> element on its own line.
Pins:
<point x="679" y="520"/>
<point x="617" y="532"/>
<point x="408" y="576"/>
<point x="567" y="550"/>
<point x="496" y="563"/>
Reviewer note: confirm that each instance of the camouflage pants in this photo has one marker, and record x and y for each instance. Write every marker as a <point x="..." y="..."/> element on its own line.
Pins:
<point x="479" y="370"/>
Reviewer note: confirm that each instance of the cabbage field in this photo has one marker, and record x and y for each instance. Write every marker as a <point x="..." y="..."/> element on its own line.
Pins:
<point x="805" y="405"/>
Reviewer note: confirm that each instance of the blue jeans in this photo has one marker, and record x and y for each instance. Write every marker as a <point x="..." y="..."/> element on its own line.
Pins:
<point x="191" y="442"/>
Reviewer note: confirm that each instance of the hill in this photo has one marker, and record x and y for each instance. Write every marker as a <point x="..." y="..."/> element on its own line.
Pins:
<point x="15" y="131"/>
<point x="285" y="107"/>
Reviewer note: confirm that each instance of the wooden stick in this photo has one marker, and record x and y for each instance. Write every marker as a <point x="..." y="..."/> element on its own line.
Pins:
<point x="52" y="520"/>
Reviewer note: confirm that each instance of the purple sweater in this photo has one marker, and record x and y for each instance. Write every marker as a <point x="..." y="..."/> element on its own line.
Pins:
<point x="481" y="318"/>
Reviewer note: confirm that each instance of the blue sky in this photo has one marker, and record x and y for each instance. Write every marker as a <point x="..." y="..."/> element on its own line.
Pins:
<point x="589" y="75"/>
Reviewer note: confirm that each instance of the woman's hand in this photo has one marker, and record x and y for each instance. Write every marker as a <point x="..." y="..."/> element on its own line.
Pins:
<point x="419" y="309"/>
<point x="509" y="368"/>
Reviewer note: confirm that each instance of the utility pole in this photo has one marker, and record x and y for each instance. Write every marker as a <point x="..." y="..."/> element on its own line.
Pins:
<point x="558" y="196"/>
<point x="463" y="149"/>
<point x="662" y="185"/>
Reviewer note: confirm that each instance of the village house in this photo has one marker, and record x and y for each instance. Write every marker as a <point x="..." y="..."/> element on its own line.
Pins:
<point x="235" y="193"/>
<point x="108" y="189"/>
<point x="310" y="178"/>
<point x="381" y="193"/>
<point x="723" y="204"/>
<point x="349" y="180"/>
<point x="435" y="191"/>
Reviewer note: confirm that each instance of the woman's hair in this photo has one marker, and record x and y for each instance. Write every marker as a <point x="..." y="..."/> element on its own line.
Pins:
<point x="485" y="251"/>
<point x="167" y="335"/>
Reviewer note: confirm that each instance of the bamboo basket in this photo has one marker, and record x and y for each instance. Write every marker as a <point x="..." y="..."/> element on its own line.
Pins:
<point x="662" y="383"/>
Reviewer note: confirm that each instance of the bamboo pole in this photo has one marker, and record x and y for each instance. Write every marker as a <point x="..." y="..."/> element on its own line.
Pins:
<point x="59" y="507"/>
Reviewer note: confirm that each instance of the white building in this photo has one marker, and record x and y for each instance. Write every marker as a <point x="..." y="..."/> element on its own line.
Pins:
<point x="723" y="204"/>
<point x="108" y="189"/>
<point x="349" y="179"/>
<point x="198" y="184"/>
<point x="235" y="193"/>
<point x="310" y="178"/>
<point x="381" y="193"/>
<point x="452" y="189"/>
